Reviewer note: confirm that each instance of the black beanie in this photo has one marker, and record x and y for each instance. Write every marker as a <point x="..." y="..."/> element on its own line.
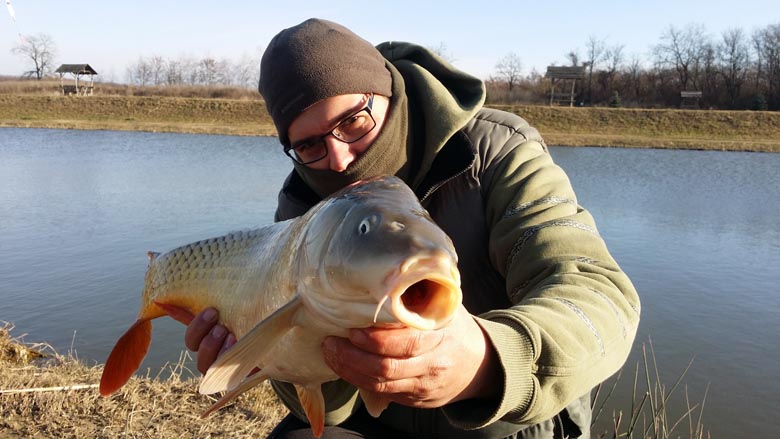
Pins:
<point x="315" y="60"/>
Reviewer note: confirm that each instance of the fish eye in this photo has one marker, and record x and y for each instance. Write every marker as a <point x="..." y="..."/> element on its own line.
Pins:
<point x="364" y="226"/>
<point x="367" y="224"/>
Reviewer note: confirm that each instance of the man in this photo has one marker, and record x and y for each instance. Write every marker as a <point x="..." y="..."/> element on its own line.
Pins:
<point x="547" y="314"/>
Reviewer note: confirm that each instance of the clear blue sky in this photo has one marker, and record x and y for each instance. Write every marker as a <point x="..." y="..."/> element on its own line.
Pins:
<point x="109" y="35"/>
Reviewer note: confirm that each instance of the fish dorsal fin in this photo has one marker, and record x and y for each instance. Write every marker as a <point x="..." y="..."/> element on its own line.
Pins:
<point x="313" y="404"/>
<point x="152" y="255"/>
<point x="374" y="403"/>
<point x="235" y="364"/>
<point x="232" y="394"/>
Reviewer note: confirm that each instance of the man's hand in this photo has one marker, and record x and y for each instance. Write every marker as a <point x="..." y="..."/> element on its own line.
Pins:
<point x="207" y="338"/>
<point x="419" y="368"/>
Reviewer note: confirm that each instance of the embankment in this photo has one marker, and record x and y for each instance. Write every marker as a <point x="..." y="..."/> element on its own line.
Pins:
<point x="622" y="127"/>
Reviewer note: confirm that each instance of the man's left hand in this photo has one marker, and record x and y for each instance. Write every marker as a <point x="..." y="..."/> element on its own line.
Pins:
<point x="416" y="368"/>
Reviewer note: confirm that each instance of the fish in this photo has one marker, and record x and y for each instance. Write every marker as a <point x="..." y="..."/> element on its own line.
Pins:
<point x="368" y="256"/>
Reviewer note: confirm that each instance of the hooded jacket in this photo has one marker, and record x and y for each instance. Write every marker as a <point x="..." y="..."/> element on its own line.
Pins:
<point x="556" y="307"/>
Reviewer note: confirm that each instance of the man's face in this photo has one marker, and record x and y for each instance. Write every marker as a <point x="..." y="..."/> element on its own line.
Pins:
<point x="317" y="121"/>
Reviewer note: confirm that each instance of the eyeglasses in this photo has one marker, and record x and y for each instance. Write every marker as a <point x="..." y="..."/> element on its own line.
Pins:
<point x="349" y="130"/>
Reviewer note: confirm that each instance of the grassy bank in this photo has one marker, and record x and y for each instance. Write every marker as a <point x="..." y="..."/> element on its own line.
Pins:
<point x="47" y="395"/>
<point x="717" y="130"/>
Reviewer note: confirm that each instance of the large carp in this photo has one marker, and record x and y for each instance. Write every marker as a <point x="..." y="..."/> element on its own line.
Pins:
<point x="369" y="255"/>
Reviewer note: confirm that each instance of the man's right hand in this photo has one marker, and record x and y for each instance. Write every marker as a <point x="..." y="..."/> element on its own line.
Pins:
<point x="208" y="338"/>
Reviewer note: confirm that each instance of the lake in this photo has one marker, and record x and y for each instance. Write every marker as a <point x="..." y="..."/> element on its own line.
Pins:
<point x="697" y="232"/>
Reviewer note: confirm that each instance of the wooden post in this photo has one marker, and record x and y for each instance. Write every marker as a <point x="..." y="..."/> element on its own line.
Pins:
<point x="571" y="96"/>
<point x="552" y="92"/>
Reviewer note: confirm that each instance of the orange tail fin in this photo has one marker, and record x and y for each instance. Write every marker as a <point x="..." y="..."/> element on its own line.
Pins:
<point x="126" y="357"/>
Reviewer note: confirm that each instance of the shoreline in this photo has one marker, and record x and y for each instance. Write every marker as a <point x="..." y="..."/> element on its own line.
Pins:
<point x="560" y="126"/>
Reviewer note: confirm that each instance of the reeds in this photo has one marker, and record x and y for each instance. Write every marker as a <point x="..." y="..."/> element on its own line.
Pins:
<point x="650" y="415"/>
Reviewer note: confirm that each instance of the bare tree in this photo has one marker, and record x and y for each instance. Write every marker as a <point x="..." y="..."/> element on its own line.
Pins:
<point x="509" y="69"/>
<point x="684" y="51"/>
<point x="770" y="50"/>
<point x="443" y="52"/>
<point x="139" y="73"/>
<point x="174" y="72"/>
<point x="40" y="50"/>
<point x="757" y="41"/>
<point x="633" y="76"/>
<point x="734" y="60"/>
<point x="246" y="72"/>
<point x="208" y="71"/>
<point x="157" y="70"/>
<point x="596" y="49"/>
<point x="613" y="56"/>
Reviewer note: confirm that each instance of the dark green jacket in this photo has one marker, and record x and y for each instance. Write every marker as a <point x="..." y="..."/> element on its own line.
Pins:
<point x="556" y="307"/>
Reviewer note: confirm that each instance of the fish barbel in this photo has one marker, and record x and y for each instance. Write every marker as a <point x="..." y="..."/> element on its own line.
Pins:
<point x="370" y="255"/>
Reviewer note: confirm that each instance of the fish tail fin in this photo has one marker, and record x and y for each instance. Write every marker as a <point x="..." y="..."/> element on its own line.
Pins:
<point x="245" y="385"/>
<point x="374" y="403"/>
<point x="313" y="404"/>
<point x="126" y="357"/>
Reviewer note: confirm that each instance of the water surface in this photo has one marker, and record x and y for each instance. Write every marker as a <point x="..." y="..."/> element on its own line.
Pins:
<point x="696" y="231"/>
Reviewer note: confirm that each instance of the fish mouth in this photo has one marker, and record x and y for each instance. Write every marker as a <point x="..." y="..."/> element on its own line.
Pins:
<point x="425" y="293"/>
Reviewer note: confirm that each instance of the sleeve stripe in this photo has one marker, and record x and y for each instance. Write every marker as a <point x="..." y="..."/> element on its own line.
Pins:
<point x="588" y="322"/>
<point x="546" y="200"/>
<point x="530" y="232"/>
<point x="612" y="306"/>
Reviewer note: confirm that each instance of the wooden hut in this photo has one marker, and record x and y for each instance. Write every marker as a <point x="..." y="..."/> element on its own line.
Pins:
<point x="76" y="71"/>
<point x="690" y="99"/>
<point x="560" y="76"/>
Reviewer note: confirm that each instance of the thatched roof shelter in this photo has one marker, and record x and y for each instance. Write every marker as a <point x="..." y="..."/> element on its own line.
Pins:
<point x="76" y="71"/>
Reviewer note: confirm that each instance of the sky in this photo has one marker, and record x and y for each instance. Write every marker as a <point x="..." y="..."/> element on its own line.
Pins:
<point x="110" y="35"/>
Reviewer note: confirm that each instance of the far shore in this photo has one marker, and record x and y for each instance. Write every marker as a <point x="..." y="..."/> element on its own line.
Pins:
<point x="757" y="131"/>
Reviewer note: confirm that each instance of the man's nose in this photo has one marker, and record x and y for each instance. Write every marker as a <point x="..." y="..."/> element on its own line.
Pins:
<point x="340" y="154"/>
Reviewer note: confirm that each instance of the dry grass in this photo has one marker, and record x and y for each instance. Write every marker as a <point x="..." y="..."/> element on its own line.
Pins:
<point x="655" y="128"/>
<point x="137" y="113"/>
<point x="45" y="394"/>
<point x="240" y="111"/>
<point x="51" y="87"/>
<point x="48" y="406"/>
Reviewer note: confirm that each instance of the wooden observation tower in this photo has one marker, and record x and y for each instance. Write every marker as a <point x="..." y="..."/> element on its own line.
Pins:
<point x="564" y="78"/>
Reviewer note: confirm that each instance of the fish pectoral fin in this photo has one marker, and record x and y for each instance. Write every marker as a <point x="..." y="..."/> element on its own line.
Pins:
<point x="236" y="363"/>
<point x="245" y="385"/>
<point x="127" y="355"/>
<point x="375" y="404"/>
<point x="313" y="404"/>
<point x="182" y="315"/>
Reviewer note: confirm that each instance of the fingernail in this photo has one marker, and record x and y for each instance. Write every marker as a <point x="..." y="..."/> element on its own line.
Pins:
<point x="329" y="350"/>
<point x="210" y="315"/>
<point x="218" y="332"/>
<point x="358" y="336"/>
